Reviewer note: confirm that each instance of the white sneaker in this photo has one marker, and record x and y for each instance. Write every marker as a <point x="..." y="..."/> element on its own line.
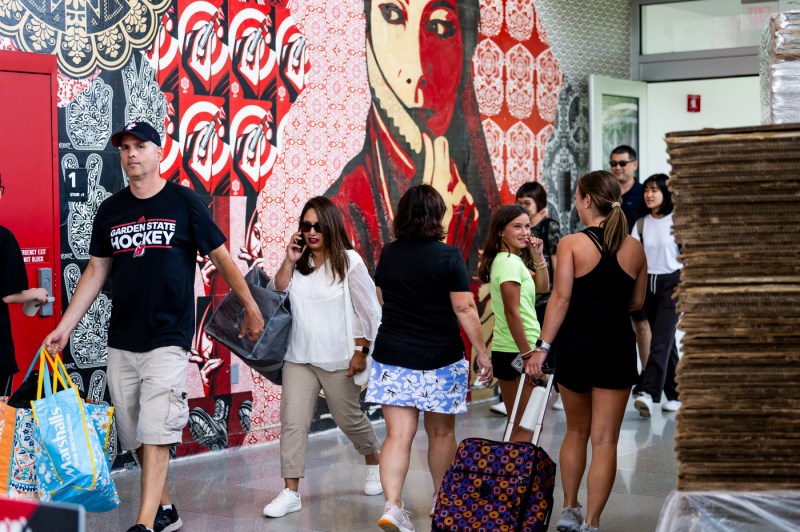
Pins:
<point x="372" y="485"/>
<point x="557" y="404"/>
<point x="499" y="408"/>
<point x="644" y="404"/>
<point x="570" y="520"/>
<point x="671" y="406"/>
<point x="395" y="519"/>
<point x="286" y="502"/>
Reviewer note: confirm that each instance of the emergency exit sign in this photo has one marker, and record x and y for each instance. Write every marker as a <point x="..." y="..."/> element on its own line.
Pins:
<point x="35" y="256"/>
<point x="693" y="103"/>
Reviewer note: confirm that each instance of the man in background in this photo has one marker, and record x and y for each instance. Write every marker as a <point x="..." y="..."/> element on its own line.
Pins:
<point x="624" y="164"/>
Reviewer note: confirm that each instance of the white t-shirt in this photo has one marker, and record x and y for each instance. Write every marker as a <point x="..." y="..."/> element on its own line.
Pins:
<point x="659" y="244"/>
<point x="319" y="334"/>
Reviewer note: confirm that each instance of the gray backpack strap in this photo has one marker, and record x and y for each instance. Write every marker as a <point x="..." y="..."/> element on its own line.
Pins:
<point x="640" y="229"/>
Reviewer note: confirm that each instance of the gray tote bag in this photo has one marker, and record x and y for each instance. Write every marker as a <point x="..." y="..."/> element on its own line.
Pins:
<point x="265" y="355"/>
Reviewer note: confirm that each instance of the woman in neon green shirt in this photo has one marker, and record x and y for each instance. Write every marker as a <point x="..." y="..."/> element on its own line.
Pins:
<point x="513" y="289"/>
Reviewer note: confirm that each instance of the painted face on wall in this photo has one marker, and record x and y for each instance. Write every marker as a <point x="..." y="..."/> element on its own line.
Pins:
<point x="418" y="46"/>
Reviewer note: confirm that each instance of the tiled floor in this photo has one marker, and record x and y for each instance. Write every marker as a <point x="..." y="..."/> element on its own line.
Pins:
<point x="225" y="491"/>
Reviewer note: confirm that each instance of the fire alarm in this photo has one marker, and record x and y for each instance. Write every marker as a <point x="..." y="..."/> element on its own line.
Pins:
<point x="693" y="103"/>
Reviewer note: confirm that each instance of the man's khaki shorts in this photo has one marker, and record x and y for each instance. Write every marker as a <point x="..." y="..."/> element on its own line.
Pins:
<point x="148" y="391"/>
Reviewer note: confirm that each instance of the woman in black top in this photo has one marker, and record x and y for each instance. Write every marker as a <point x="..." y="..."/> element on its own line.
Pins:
<point x="600" y="277"/>
<point x="419" y="360"/>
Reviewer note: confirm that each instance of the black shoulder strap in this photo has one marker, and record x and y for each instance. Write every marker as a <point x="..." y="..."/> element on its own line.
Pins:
<point x="594" y="238"/>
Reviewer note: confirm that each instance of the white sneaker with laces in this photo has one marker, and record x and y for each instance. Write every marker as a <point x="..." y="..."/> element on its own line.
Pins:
<point x="570" y="519"/>
<point x="644" y="404"/>
<point x="557" y="404"/>
<point x="395" y="519"/>
<point x="672" y="405"/>
<point x="286" y="502"/>
<point x="372" y="485"/>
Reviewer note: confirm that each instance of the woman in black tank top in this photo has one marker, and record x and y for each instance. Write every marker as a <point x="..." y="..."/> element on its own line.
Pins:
<point x="600" y="276"/>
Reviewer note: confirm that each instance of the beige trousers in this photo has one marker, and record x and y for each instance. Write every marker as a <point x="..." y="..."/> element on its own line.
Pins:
<point x="301" y="386"/>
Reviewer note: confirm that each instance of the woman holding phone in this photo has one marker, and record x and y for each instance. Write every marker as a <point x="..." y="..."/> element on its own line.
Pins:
<point x="513" y="289"/>
<point x="335" y="318"/>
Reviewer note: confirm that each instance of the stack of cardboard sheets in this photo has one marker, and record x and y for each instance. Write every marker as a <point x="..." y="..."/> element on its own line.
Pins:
<point x="780" y="69"/>
<point x="737" y="214"/>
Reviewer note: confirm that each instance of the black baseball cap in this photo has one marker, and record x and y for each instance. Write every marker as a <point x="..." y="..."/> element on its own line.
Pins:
<point x="143" y="130"/>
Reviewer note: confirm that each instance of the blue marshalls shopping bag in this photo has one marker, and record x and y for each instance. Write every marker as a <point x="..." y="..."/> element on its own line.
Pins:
<point x="71" y="440"/>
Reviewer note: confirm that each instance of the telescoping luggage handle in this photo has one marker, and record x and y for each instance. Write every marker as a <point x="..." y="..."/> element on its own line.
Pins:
<point x="534" y="411"/>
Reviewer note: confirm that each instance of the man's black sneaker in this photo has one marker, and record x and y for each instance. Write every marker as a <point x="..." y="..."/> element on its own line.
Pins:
<point x="167" y="520"/>
<point x="138" y="528"/>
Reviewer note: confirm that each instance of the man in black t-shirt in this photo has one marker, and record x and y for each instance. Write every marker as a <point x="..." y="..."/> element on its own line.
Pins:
<point x="624" y="165"/>
<point x="147" y="237"/>
<point x="13" y="289"/>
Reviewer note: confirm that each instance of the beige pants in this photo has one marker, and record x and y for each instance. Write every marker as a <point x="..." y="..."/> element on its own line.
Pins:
<point x="301" y="385"/>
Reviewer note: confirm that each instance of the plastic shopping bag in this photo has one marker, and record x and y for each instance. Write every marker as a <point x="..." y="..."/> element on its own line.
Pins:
<point x="17" y="465"/>
<point x="17" y="462"/>
<point x="71" y="463"/>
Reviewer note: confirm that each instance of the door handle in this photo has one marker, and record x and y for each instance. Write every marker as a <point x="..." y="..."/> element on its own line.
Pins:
<point x="46" y="282"/>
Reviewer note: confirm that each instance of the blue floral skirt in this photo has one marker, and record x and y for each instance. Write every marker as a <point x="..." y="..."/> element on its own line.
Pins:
<point x="442" y="390"/>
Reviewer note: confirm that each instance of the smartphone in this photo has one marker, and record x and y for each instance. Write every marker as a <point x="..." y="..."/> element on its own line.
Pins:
<point x="301" y="241"/>
<point x="518" y="364"/>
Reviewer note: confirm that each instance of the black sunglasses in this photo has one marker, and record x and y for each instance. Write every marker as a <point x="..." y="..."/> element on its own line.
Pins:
<point x="623" y="164"/>
<point x="306" y="227"/>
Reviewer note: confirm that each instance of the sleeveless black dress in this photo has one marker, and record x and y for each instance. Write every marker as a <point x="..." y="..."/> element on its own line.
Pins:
<point x="596" y="345"/>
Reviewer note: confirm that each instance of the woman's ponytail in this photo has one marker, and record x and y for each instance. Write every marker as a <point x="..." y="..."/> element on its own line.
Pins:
<point x="606" y="194"/>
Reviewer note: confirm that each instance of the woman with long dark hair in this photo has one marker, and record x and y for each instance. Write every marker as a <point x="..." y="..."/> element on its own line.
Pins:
<point x="420" y="363"/>
<point x="335" y="317"/>
<point x="663" y="276"/>
<point x="509" y="249"/>
<point x="600" y="277"/>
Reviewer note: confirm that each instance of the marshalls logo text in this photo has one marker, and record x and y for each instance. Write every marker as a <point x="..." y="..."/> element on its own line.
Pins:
<point x="63" y="440"/>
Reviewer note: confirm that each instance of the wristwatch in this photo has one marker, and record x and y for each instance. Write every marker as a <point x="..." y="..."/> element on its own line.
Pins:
<point x="541" y="344"/>
<point x="363" y="348"/>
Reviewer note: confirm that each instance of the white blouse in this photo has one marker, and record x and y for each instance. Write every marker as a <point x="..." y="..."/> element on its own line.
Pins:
<point x="326" y="320"/>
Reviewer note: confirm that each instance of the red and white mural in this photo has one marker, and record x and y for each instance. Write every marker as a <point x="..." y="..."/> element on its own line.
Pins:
<point x="518" y="81"/>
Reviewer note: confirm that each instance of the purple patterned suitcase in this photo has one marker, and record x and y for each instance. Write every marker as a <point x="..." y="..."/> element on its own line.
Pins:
<point x="504" y="485"/>
<point x="496" y="486"/>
